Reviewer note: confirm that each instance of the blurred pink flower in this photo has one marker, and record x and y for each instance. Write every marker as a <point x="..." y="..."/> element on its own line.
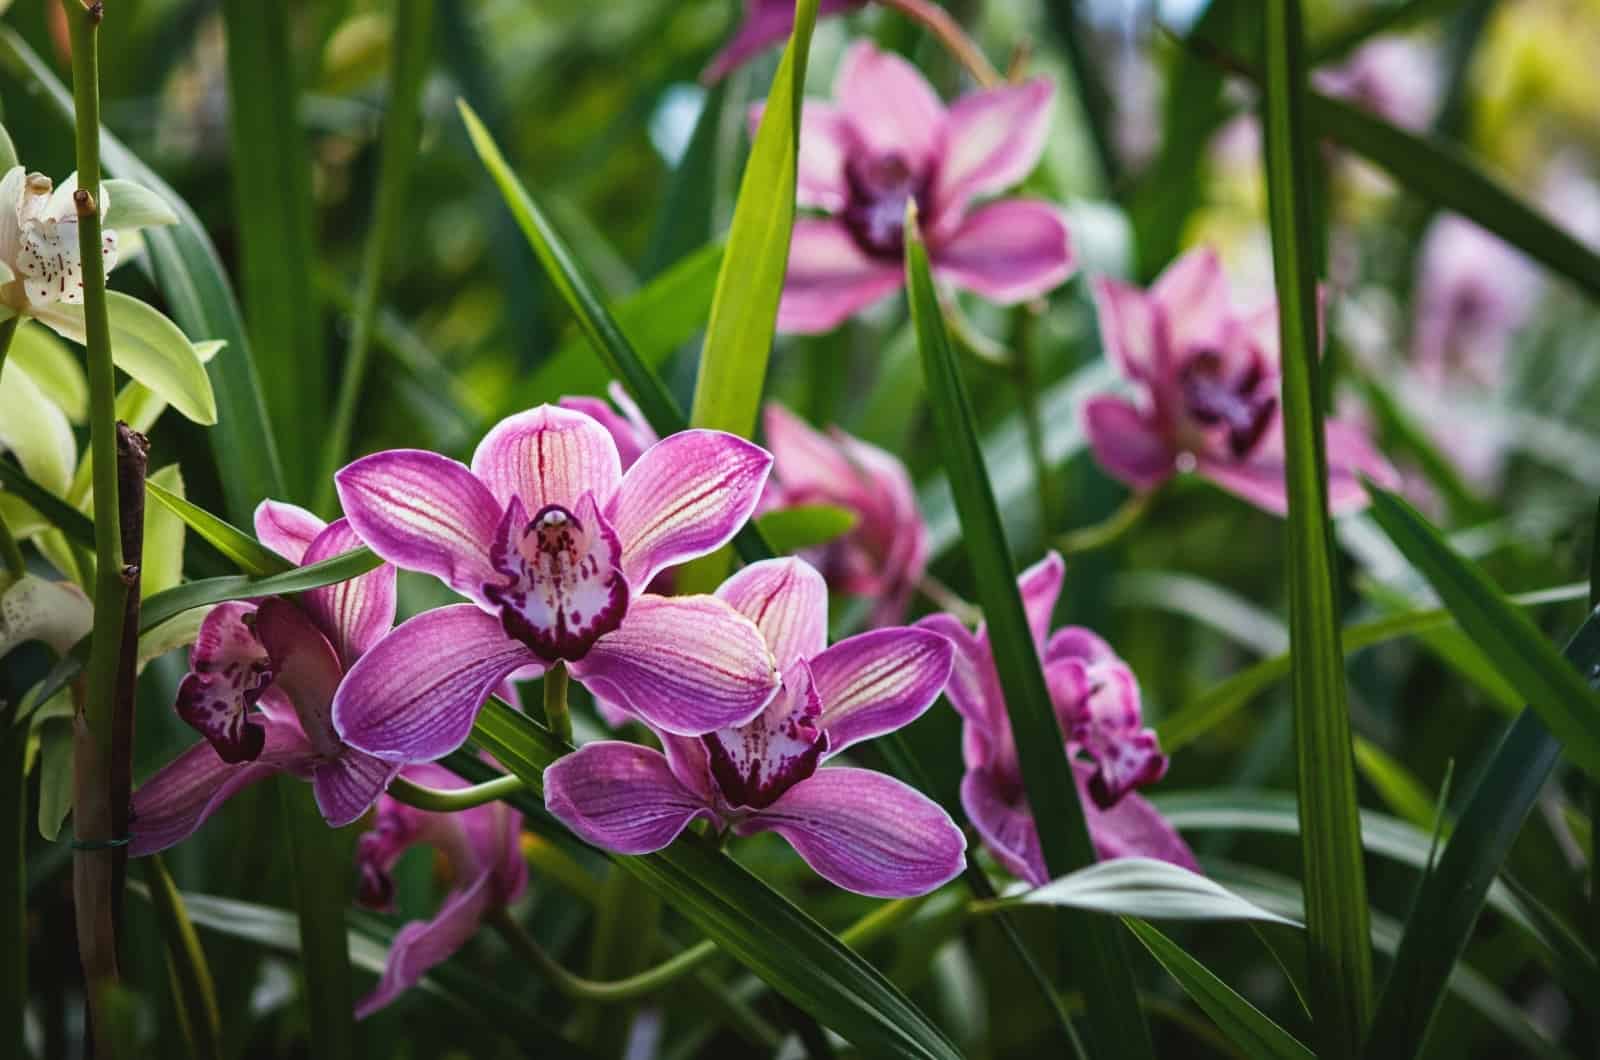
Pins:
<point x="1096" y="700"/>
<point x="1206" y="393"/>
<point x="1395" y="78"/>
<point x="886" y="140"/>
<point x="487" y="872"/>
<point x="1473" y="293"/>
<point x="886" y="553"/>
<point x="766" y="23"/>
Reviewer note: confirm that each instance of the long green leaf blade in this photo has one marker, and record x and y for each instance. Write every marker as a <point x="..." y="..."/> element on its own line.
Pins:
<point x="1099" y="961"/>
<point x="248" y="554"/>
<point x="196" y="994"/>
<point x="1340" y="955"/>
<point x="1244" y="1024"/>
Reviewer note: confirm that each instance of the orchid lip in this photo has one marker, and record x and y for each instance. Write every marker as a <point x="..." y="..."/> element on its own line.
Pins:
<point x="1212" y="399"/>
<point x="875" y="215"/>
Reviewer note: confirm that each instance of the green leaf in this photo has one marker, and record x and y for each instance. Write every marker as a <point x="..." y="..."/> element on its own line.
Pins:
<point x="54" y="368"/>
<point x="1096" y="949"/>
<point x="1529" y="663"/>
<point x="1452" y="895"/>
<point x="132" y="206"/>
<point x="55" y="767"/>
<point x="150" y="348"/>
<point x="271" y="179"/>
<point x="1244" y="1024"/>
<point x="36" y="430"/>
<point x="196" y="287"/>
<point x="8" y="150"/>
<point x="196" y="994"/>
<point x="788" y="530"/>
<point x="1401" y="791"/>
<point x="161" y="566"/>
<point x="744" y="312"/>
<point x="248" y="554"/>
<point x="1339" y="949"/>
<point x="754" y="924"/>
<point x="1142" y="887"/>
<point x="63" y="516"/>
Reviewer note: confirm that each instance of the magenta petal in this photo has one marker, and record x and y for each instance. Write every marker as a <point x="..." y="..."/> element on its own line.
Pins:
<point x="1131" y="828"/>
<point x="352" y="614"/>
<point x="413" y="697"/>
<point x="830" y="279"/>
<point x="179" y="798"/>
<point x="1352" y="456"/>
<point x="994" y="139"/>
<point x="423" y="512"/>
<point x="891" y="105"/>
<point x="1259" y="482"/>
<point x="1008" y="251"/>
<point x="304" y="667"/>
<point x="788" y="601"/>
<point x="1130" y="330"/>
<point x="805" y="460"/>
<point x="628" y="428"/>
<point x="876" y="682"/>
<point x="228" y="671"/>
<point x="421" y="945"/>
<point x="973" y="688"/>
<point x="621" y="797"/>
<point x="1039" y="587"/>
<point x="287" y="529"/>
<point x="826" y="142"/>
<point x="687" y="495"/>
<point x="1193" y="297"/>
<point x="1126" y="442"/>
<point x="998" y="809"/>
<point x="754" y="763"/>
<point x="548" y="455"/>
<point x="685" y="664"/>
<point x="866" y="832"/>
<point x="347" y="786"/>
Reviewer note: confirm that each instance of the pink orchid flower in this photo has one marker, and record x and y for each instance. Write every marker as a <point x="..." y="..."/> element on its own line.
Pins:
<point x="554" y="546"/>
<point x="1206" y="393"/>
<point x="886" y="140"/>
<point x="884" y="556"/>
<point x="1473" y="293"/>
<point x="766" y="23"/>
<point x="1096" y="699"/>
<point x="486" y="871"/>
<point x="859" y="829"/>
<point x="285" y="660"/>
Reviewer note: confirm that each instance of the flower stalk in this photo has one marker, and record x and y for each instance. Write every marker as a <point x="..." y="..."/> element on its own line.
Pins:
<point x="557" y="716"/>
<point x="444" y="800"/>
<point x="612" y="991"/>
<point x="1109" y="530"/>
<point x="937" y="21"/>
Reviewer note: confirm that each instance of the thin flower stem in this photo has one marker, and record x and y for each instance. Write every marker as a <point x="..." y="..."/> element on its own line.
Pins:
<point x="580" y="989"/>
<point x="453" y="800"/>
<point x="948" y="599"/>
<point x="11" y="555"/>
<point x="8" y="331"/>
<point x="937" y="21"/>
<point x="556" y="714"/>
<point x="1109" y="530"/>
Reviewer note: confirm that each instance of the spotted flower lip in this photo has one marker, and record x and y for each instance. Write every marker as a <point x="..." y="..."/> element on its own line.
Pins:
<point x="1096" y="700"/>
<point x="885" y="555"/>
<point x="260" y="689"/>
<point x="887" y="139"/>
<point x="857" y="828"/>
<point x="1205" y="380"/>
<point x="487" y="872"/>
<point x="554" y="544"/>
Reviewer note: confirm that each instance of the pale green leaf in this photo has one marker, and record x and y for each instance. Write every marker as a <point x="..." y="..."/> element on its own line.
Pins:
<point x="53" y="366"/>
<point x="1146" y="888"/>
<point x="149" y="347"/>
<point x="36" y="430"/>
<point x="162" y="567"/>
<point x="788" y="530"/>
<point x="130" y="205"/>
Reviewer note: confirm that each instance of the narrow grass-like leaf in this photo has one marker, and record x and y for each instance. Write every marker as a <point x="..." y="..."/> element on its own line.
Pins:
<point x="1403" y="793"/>
<point x="14" y="818"/>
<point x="319" y="860"/>
<point x="1552" y="686"/>
<point x="1244" y="1024"/>
<point x="760" y="928"/>
<point x="271" y="177"/>
<point x="195" y="993"/>
<point x="1098" y="952"/>
<point x="191" y="276"/>
<point x="788" y="530"/>
<point x="54" y="510"/>
<point x="1452" y="895"/>
<point x="1339" y="951"/>
<point x="248" y="554"/>
<point x="1145" y="888"/>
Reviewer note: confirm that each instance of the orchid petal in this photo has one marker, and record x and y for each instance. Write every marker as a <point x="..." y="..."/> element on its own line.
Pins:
<point x="1126" y="443"/>
<point x="830" y="278"/>
<point x="686" y="496"/>
<point x="766" y="23"/>
<point x="866" y="832"/>
<point x="685" y="664"/>
<point x="11" y="192"/>
<point x="1351" y="457"/>
<point x="423" y="512"/>
<point x="548" y="455"/>
<point x="1192" y="294"/>
<point x="228" y="671"/>
<point x="620" y="796"/>
<point x="998" y="809"/>
<point x="1130" y="330"/>
<point x="1039" y="587"/>
<point x="1131" y="828"/>
<point x="1007" y="251"/>
<point x="805" y="460"/>
<point x="305" y="668"/>
<point x="1259" y="482"/>
<point x="413" y="697"/>
<point x="347" y="786"/>
<point x="754" y="763"/>
<point x="421" y="945"/>
<point x="993" y="140"/>
<point x="890" y="104"/>
<point x="33" y="608"/>
<point x="628" y="428"/>
<point x="787" y="599"/>
<point x="353" y="614"/>
<point x="287" y="529"/>
<point x="879" y="681"/>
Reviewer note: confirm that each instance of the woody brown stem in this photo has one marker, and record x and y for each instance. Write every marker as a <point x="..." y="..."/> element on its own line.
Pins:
<point x="133" y="461"/>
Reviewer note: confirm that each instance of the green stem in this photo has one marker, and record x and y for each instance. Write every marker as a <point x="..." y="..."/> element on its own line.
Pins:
<point x="1108" y="531"/>
<point x="556" y="715"/>
<point x="11" y="555"/>
<point x="937" y="21"/>
<point x="94" y="869"/>
<point x="8" y="331"/>
<point x="448" y="800"/>
<point x="399" y="149"/>
<point x="580" y="989"/>
<point x="946" y="598"/>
